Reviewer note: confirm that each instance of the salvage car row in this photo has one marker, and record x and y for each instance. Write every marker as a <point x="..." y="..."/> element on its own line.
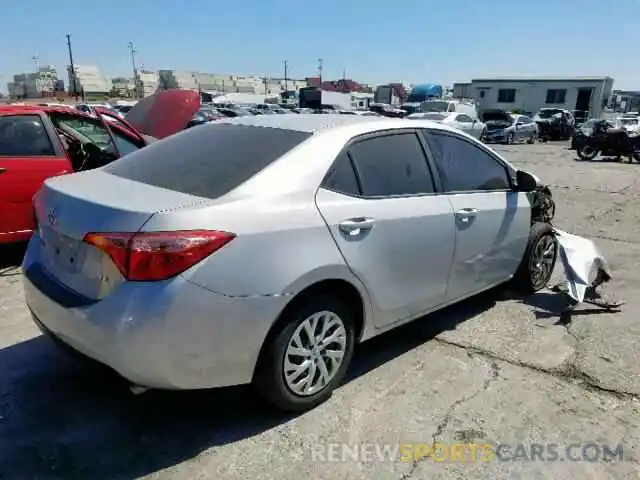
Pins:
<point x="218" y="221"/>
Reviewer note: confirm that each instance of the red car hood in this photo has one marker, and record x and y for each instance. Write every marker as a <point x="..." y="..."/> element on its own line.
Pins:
<point x="164" y="113"/>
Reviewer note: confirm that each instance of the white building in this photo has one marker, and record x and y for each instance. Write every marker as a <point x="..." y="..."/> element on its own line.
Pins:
<point x="147" y="83"/>
<point x="88" y="79"/>
<point x="38" y="84"/>
<point x="361" y="101"/>
<point x="586" y="97"/>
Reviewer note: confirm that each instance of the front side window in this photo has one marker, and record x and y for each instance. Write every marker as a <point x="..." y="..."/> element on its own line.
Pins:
<point x="525" y="120"/>
<point x="465" y="167"/>
<point x="208" y="161"/>
<point x="464" y="118"/>
<point x="392" y="165"/>
<point x="24" y="136"/>
<point x="124" y="144"/>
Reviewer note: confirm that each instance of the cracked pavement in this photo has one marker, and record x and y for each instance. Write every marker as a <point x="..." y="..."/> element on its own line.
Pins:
<point x="494" y="369"/>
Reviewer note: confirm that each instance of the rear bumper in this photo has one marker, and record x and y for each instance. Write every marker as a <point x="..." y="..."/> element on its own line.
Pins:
<point x="167" y="335"/>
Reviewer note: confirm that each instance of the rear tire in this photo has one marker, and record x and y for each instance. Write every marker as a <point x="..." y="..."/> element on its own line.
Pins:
<point x="539" y="259"/>
<point x="483" y="135"/>
<point x="275" y="379"/>
<point x="587" y="152"/>
<point x="532" y="139"/>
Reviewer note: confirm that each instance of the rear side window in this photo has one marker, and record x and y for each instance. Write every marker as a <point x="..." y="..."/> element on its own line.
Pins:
<point x="24" y="136"/>
<point x="392" y="165"/>
<point x="209" y="161"/>
<point x="341" y="177"/>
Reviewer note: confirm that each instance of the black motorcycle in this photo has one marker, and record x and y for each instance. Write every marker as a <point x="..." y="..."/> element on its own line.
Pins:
<point x="604" y="140"/>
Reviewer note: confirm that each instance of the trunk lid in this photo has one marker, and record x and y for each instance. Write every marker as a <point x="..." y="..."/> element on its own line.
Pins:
<point x="69" y="207"/>
<point x="164" y="113"/>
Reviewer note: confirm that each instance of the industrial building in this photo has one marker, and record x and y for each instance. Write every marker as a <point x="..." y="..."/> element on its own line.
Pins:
<point x="89" y="80"/>
<point x="586" y="97"/>
<point x="42" y="83"/>
<point x="224" y="83"/>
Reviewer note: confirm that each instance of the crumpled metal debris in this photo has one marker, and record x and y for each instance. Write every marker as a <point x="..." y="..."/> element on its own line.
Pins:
<point x="585" y="269"/>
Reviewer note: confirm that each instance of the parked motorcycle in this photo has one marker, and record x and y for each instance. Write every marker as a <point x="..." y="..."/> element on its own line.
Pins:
<point x="606" y="141"/>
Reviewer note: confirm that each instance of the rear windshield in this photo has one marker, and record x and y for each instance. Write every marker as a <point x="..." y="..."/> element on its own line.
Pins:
<point x="208" y="161"/>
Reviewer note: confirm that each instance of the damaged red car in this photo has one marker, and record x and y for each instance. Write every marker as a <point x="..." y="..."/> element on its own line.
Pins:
<point x="38" y="142"/>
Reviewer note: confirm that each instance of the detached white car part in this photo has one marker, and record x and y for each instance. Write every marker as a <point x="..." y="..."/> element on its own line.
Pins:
<point x="584" y="266"/>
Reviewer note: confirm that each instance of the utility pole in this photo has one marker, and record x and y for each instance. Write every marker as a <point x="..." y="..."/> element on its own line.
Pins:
<point x="286" y="79"/>
<point x="36" y="62"/>
<point x="73" y="68"/>
<point x="320" y="64"/>
<point x="132" y="51"/>
<point x="344" y="79"/>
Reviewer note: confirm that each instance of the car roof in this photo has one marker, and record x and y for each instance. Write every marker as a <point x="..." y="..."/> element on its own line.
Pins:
<point x="7" y="109"/>
<point x="349" y="125"/>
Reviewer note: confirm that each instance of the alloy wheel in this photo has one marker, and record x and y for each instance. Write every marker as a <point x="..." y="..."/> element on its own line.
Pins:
<point x="542" y="260"/>
<point x="315" y="353"/>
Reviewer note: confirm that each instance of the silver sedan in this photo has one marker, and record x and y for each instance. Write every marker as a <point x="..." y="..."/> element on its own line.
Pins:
<point x="262" y="249"/>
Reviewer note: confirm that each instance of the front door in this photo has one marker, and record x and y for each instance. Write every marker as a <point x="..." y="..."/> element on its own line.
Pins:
<point x="491" y="220"/>
<point x="394" y="232"/>
<point x="29" y="154"/>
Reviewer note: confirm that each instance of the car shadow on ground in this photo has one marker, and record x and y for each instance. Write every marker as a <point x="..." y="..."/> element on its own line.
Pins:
<point x="61" y="418"/>
<point x="10" y="258"/>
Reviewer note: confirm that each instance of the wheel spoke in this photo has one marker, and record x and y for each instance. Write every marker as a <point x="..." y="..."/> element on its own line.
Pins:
<point x="313" y="358"/>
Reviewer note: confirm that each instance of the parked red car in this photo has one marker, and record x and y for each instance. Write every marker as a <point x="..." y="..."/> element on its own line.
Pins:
<point x="38" y="142"/>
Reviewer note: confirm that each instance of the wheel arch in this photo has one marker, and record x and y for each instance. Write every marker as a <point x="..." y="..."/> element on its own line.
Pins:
<point x="354" y="295"/>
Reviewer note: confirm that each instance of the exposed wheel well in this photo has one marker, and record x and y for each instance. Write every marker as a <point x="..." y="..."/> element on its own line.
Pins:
<point x="341" y="288"/>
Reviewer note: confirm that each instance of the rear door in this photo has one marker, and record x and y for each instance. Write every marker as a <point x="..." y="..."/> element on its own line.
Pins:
<point x="394" y="230"/>
<point x="492" y="221"/>
<point x="30" y="152"/>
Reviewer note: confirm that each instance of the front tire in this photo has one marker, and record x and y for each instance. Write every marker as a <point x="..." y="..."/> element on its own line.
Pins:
<point x="586" y="152"/>
<point x="532" y="139"/>
<point x="539" y="259"/>
<point x="510" y="138"/>
<point x="309" y="356"/>
<point x="483" y="135"/>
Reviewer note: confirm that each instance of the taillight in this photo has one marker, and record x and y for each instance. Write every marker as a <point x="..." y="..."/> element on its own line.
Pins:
<point x="153" y="256"/>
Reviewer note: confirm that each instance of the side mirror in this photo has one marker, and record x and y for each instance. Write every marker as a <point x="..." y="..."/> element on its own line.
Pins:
<point x="525" y="181"/>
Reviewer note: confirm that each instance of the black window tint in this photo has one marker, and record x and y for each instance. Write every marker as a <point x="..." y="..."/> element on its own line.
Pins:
<point x="208" y="161"/>
<point x="525" y="120"/>
<point x="341" y="177"/>
<point x="506" y="95"/>
<point x="24" y="136"/>
<point x="465" y="167"/>
<point x="392" y="165"/>
<point x="464" y="118"/>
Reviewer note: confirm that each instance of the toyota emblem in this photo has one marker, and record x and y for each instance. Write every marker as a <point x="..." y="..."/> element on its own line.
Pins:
<point x="53" y="219"/>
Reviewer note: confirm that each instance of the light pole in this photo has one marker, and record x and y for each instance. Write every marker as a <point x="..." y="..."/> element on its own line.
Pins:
<point x="132" y="51"/>
<point x="73" y="68"/>
<point x="320" y="65"/>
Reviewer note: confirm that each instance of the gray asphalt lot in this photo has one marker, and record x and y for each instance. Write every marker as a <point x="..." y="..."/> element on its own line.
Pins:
<point x="494" y="369"/>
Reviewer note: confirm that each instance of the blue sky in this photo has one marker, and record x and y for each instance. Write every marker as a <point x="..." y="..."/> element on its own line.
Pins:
<point x="418" y="41"/>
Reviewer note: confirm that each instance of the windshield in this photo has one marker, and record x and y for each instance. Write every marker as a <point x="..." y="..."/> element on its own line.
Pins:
<point x="628" y="121"/>
<point x="435" y="107"/>
<point x="548" y="113"/>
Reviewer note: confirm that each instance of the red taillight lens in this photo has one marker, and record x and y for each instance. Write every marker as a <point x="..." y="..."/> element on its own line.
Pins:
<point x="152" y="256"/>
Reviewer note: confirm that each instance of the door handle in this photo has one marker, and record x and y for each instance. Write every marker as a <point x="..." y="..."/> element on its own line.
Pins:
<point x="2" y="170"/>
<point x="464" y="214"/>
<point x="355" y="226"/>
